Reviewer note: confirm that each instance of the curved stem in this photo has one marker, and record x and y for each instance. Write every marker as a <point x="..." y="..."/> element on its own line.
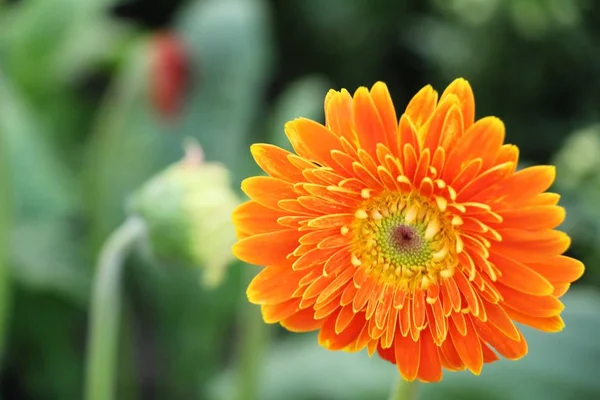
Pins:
<point x="105" y="310"/>
<point x="403" y="390"/>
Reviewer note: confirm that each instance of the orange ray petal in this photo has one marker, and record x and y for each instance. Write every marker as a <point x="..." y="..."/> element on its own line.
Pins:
<point x="436" y="125"/>
<point x="268" y="191"/>
<point x="273" y="285"/>
<point x="329" y="339"/>
<point x="312" y="258"/>
<point x="312" y="140"/>
<point x="499" y="317"/>
<point x="558" y="268"/>
<point x="385" y="107"/>
<point x="408" y="136"/>
<point x="368" y="124"/>
<point x="251" y="218"/>
<point x="527" y="246"/>
<point x="548" y="324"/>
<point x="508" y="348"/>
<point x="520" y="187"/>
<point x="267" y="248"/>
<point x="302" y="321"/>
<point x="482" y="140"/>
<point x="273" y="313"/>
<point x="560" y="289"/>
<point x="520" y="277"/>
<point x="408" y="356"/>
<point x="274" y="161"/>
<point x="462" y="90"/>
<point x="486" y="179"/>
<point x="335" y="288"/>
<point x="468" y="346"/>
<point x="449" y="356"/>
<point x="343" y="319"/>
<point x="536" y="306"/>
<point x="338" y="113"/>
<point x="488" y="354"/>
<point x="533" y="218"/>
<point x="421" y="106"/>
<point x="430" y="367"/>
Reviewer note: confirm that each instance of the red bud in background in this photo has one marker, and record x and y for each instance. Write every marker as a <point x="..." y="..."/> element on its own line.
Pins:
<point x="169" y="75"/>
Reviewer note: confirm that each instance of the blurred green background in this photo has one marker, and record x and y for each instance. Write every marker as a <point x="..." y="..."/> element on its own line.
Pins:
<point x="97" y="96"/>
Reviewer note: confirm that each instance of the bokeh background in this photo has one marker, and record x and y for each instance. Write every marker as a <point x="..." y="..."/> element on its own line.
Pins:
<point x="97" y="96"/>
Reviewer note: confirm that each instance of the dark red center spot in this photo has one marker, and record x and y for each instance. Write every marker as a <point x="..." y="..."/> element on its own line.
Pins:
<point x="404" y="237"/>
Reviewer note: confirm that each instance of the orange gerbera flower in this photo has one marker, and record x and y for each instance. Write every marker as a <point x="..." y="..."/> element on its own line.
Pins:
<point x="417" y="239"/>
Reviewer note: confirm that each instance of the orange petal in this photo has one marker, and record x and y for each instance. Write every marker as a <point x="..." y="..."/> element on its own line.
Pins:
<point x="251" y="218"/>
<point x="462" y="90"/>
<point x="268" y="191"/>
<point x="368" y="124"/>
<point x="274" y="161"/>
<point x="329" y="339"/>
<point x="533" y="218"/>
<point x="267" y="248"/>
<point x="408" y="356"/>
<point x="449" y="357"/>
<point x="468" y="346"/>
<point x="273" y="313"/>
<point x="508" y="153"/>
<point x="430" y="367"/>
<point x="558" y="268"/>
<point x="548" y="324"/>
<point x="509" y="348"/>
<point x="302" y="321"/>
<point x="312" y="140"/>
<point x="385" y="107"/>
<point x="482" y="140"/>
<point x="536" y="306"/>
<point x="486" y="179"/>
<point x="488" y="354"/>
<point x="408" y="136"/>
<point x="520" y="277"/>
<point x="452" y="129"/>
<point x="436" y="124"/>
<point x="312" y="258"/>
<point x="521" y="186"/>
<point x="560" y="289"/>
<point x="338" y="113"/>
<point x="499" y="317"/>
<point x="421" y="106"/>
<point x="527" y="246"/>
<point x="273" y="285"/>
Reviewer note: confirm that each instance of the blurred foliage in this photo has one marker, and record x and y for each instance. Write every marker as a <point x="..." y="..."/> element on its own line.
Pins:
<point x="79" y="133"/>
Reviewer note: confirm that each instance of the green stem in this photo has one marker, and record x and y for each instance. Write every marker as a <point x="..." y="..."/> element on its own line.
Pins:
<point x="105" y="310"/>
<point x="254" y="340"/>
<point x="403" y="390"/>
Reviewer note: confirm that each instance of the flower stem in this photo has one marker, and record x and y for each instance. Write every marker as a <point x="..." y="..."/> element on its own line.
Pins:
<point x="255" y="337"/>
<point x="403" y="390"/>
<point x="105" y="310"/>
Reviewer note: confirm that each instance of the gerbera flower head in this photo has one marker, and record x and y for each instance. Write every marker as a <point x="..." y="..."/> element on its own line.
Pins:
<point x="415" y="238"/>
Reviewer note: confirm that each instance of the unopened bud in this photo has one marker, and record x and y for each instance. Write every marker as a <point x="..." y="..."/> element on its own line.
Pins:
<point x="187" y="211"/>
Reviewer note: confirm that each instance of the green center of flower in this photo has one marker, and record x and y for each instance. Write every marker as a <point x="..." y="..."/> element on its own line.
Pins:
<point x="403" y="238"/>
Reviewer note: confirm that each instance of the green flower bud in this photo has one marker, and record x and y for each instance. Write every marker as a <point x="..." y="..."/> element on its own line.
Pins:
<point x="187" y="211"/>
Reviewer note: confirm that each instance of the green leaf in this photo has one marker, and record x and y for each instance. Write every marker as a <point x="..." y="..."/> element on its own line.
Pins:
<point x="43" y="186"/>
<point x="43" y="253"/>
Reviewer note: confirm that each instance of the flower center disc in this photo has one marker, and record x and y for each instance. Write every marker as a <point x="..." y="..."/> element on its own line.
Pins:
<point x="403" y="239"/>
